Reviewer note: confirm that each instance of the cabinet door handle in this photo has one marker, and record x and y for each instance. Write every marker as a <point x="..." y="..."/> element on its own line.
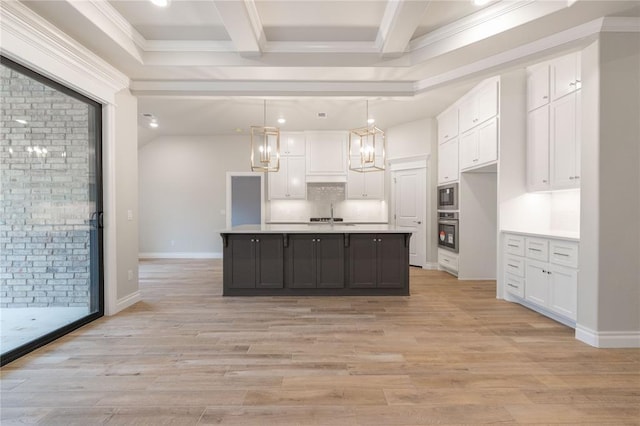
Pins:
<point x="544" y="181"/>
<point x="561" y="254"/>
<point x="446" y="177"/>
<point x="475" y="161"/>
<point x="545" y="97"/>
<point x="379" y="240"/>
<point x="513" y="266"/>
<point x="257" y="241"/>
<point x="445" y="259"/>
<point x="419" y="222"/>
<point x="577" y="177"/>
<point x="375" y="240"/>
<point x="534" y="249"/>
<point x="572" y="177"/>
<point x="573" y="83"/>
<point x="511" y="285"/>
<point x="252" y="240"/>
<point x="549" y="272"/>
<point x="544" y="272"/>
<point x="313" y="240"/>
<point x="446" y="136"/>
<point x="513" y="245"/>
<point x="318" y="240"/>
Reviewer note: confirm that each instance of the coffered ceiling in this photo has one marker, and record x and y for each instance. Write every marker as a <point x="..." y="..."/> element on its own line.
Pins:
<point x="410" y="58"/>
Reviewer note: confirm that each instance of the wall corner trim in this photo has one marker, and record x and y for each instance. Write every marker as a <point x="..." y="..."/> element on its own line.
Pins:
<point x="608" y="339"/>
<point x="125" y="302"/>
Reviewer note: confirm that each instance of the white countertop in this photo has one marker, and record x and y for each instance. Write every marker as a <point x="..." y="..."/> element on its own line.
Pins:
<point x="563" y="235"/>
<point x="321" y="228"/>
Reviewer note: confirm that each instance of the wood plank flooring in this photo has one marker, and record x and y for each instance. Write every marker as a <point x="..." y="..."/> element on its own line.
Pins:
<point x="448" y="354"/>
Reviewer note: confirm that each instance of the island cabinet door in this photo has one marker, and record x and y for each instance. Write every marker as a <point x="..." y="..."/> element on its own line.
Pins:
<point x="329" y="261"/>
<point x="239" y="262"/>
<point x="269" y="261"/>
<point x="362" y="260"/>
<point x="392" y="261"/>
<point x="301" y="261"/>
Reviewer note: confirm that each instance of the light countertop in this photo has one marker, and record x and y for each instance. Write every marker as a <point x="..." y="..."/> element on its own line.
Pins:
<point x="563" y="235"/>
<point x="320" y="228"/>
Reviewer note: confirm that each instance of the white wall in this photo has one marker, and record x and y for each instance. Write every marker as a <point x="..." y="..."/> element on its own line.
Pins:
<point x="183" y="193"/>
<point x="419" y="139"/>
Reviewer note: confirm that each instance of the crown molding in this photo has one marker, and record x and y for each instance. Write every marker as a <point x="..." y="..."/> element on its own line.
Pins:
<point x="35" y="42"/>
<point x="564" y="39"/>
<point x="471" y="21"/>
<point x="189" y="46"/>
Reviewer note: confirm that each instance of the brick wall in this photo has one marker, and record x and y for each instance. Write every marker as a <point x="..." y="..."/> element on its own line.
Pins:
<point x="44" y="195"/>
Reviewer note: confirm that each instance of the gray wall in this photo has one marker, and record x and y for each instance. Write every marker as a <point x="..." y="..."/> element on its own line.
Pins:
<point x="126" y="183"/>
<point x="182" y="192"/>
<point x="609" y="297"/>
<point x="45" y="206"/>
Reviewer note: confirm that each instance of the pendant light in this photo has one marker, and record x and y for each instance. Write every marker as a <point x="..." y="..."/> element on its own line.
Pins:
<point x="367" y="148"/>
<point x="265" y="146"/>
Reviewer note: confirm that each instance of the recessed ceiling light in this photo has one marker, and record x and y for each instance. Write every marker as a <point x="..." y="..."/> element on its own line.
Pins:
<point x="477" y="2"/>
<point x="371" y="120"/>
<point x="153" y="125"/>
<point x="21" y="121"/>
<point x="160" y="3"/>
<point x="282" y="120"/>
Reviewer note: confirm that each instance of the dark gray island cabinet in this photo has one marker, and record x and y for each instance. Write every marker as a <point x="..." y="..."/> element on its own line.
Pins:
<point x="300" y="261"/>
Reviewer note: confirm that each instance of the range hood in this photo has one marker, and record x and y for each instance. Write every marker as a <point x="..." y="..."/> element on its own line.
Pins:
<point x="326" y="178"/>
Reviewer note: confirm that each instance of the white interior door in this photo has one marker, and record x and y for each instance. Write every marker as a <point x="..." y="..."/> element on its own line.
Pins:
<point x="409" y="189"/>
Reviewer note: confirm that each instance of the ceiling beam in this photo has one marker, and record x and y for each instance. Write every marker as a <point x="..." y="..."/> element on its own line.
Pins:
<point x="242" y="22"/>
<point x="399" y="23"/>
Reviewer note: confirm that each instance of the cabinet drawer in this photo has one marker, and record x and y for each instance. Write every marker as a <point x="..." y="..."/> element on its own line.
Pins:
<point x="564" y="253"/>
<point x="514" y="285"/>
<point x="538" y="249"/>
<point x="514" y="265"/>
<point x="448" y="261"/>
<point x="514" y="244"/>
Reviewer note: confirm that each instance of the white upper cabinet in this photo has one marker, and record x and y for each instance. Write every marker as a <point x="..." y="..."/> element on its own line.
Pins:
<point x="479" y="105"/>
<point x="538" y="149"/>
<point x="565" y="75"/>
<point x="479" y="146"/>
<point x="365" y="186"/>
<point x="326" y="153"/>
<point x="553" y="128"/>
<point x="292" y="143"/>
<point x="565" y="145"/>
<point x="289" y="182"/>
<point x="448" y="125"/>
<point x="537" y="86"/>
<point x="448" y="170"/>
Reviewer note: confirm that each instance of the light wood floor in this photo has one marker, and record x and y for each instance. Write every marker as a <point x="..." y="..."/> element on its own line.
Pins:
<point x="449" y="354"/>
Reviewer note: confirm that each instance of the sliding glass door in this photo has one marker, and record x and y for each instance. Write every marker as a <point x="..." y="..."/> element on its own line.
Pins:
<point x="50" y="210"/>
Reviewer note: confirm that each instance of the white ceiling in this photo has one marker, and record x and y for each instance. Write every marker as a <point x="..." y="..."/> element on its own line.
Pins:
<point x="205" y="66"/>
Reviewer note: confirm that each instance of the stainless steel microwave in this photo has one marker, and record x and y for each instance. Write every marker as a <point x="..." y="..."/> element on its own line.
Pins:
<point x="448" y="197"/>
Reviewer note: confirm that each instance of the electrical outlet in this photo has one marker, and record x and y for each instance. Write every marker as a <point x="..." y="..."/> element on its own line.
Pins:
<point x="130" y="274"/>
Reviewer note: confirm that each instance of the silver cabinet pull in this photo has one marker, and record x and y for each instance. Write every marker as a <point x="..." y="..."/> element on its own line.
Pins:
<point x="544" y="181"/>
<point x="561" y="254"/>
<point x="572" y="177"/>
<point x="534" y="249"/>
<point x="513" y="245"/>
<point x="513" y="266"/>
<point x="545" y="97"/>
<point x="549" y="272"/>
<point x="257" y="240"/>
<point x="544" y="272"/>
<point x="511" y="285"/>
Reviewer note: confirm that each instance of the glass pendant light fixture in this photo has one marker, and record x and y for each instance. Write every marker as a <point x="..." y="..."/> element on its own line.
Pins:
<point x="367" y="148"/>
<point x="265" y="146"/>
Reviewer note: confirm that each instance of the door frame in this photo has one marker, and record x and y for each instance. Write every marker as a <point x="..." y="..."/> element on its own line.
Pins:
<point x="228" y="211"/>
<point x="411" y="163"/>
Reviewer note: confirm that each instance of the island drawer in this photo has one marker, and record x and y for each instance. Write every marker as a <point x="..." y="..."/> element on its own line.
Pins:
<point x="514" y="284"/>
<point x="514" y="265"/>
<point x="514" y="244"/>
<point x="538" y="249"/>
<point x="564" y="253"/>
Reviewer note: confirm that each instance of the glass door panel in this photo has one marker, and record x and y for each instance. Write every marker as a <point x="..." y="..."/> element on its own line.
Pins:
<point x="50" y="204"/>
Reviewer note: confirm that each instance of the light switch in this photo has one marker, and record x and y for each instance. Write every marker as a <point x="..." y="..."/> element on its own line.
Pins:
<point x="129" y="214"/>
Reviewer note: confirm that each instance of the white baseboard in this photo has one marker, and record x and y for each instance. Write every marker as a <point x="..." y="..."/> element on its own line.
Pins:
<point x="180" y="255"/>
<point x="126" y="301"/>
<point x="608" y="339"/>
<point x="433" y="266"/>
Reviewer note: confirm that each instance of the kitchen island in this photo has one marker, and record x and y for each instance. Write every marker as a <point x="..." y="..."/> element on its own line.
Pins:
<point x="310" y="260"/>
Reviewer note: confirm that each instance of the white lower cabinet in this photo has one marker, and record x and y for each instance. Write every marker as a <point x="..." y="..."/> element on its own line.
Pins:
<point x="544" y="274"/>
<point x="448" y="261"/>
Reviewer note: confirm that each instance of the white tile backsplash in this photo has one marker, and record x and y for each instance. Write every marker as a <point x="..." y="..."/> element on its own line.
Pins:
<point x="320" y="196"/>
